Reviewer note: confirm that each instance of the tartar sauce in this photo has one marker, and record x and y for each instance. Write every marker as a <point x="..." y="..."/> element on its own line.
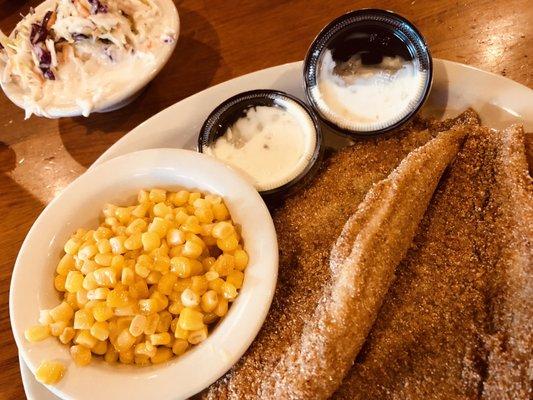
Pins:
<point x="270" y="145"/>
<point x="367" y="97"/>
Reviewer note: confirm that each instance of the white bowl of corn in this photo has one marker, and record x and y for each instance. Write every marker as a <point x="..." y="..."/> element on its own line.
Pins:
<point x="148" y="277"/>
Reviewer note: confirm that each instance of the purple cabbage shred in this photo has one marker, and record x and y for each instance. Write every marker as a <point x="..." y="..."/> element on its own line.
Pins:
<point x="97" y="7"/>
<point x="79" y="36"/>
<point x="45" y="61"/>
<point x="40" y="32"/>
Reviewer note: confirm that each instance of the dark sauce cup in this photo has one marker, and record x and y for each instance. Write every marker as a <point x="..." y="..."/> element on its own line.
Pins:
<point x="371" y="35"/>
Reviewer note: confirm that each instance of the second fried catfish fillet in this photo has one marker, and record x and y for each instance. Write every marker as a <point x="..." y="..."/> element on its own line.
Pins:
<point x="373" y="242"/>
<point x="457" y="323"/>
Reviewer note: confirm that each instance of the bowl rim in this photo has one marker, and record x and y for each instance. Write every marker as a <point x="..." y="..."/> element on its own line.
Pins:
<point x="242" y="322"/>
<point x="13" y="92"/>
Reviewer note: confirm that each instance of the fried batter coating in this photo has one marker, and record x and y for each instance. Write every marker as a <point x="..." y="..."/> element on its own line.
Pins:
<point x="458" y="321"/>
<point x="374" y="240"/>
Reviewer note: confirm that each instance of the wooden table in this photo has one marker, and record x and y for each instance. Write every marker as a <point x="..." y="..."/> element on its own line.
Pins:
<point x="220" y="39"/>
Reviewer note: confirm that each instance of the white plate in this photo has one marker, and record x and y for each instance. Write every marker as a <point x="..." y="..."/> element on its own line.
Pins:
<point x="498" y="100"/>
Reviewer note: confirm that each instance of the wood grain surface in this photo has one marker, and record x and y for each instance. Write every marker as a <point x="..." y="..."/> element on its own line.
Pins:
<point x="220" y="39"/>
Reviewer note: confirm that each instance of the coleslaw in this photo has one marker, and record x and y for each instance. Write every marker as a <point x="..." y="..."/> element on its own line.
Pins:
<point x="80" y="52"/>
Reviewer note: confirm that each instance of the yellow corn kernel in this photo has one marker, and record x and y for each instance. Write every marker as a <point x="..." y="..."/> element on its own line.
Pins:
<point x="190" y="319"/>
<point x="98" y="294"/>
<point x="141" y="209"/>
<point x="74" y="281"/>
<point x="118" y="298"/>
<point x="111" y="222"/>
<point x="143" y="270"/>
<point x="198" y="336"/>
<point x="71" y="300"/>
<point x="103" y="246"/>
<point x="148" y="306"/>
<point x="102" y="233"/>
<point x="158" y="339"/>
<point x="100" y="330"/>
<point x="142" y="361"/>
<point x="180" y="346"/>
<point x="165" y="319"/>
<point x="101" y="312"/>
<point x="161" y="209"/>
<point x="211" y="276"/>
<point x="176" y="307"/>
<point x="138" y="325"/>
<point x="85" y="338"/>
<point x="153" y="277"/>
<point x="228" y="244"/>
<point x="138" y="225"/>
<point x="161" y="299"/>
<point x="65" y="265"/>
<point x="181" y="198"/>
<point x="111" y="355"/>
<point x="72" y="246"/>
<point x="193" y="196"/>
<point x="199" y="284"/>
<point x="109" y="210"/>
<point x="192" y="249"/>
<point x="229" y="291"/>
<point x="204" y="214"/>
<point x="100" y="348"/>
<point x="117" y="244"/>
<point x="87" y="252"/>
<point x="134" y="242"/>
<point x="88" y="266"/>
<point x="83" y="319"/>
<point x="57" y="328"/>
<point x="161" y="264"/>
<point x="59" y="282"/>
<point x="145" y="349"/>
<point x="220" y="211"/>
<point x="180" y="333"/>
<point x="118" y="262"/>
<point x="157" y="195"/>
<point x="125" y="340"/>
<point x="181" y="216"/>
<point x="150" y="241"/>
<point x="163" y="354"/>
<point x="192" y="224"/>
<point x="37" y="333"/>
<point x="45" y="318"/>
<point x="175" y="237"/>
<point x="141" y="288"/>
<point x="123" y="214"/>
<point x="67" y="335"/>
<point x="50" y="372"/>
<point x="62" y="312"/>
<point x="213" y="199"/>
<point x="158" y="226"/>
<point x="128" y="311"/>
<point x="216" y="285"/>
<point x="189" y="298"/>
<point x="181" y="266"/>
<point x="241" y="259"/>
<point x="103" y="259"/>
<point x="89" y="282"/>
<point x="123" y="323"/>
<point x="209" y="318"/>
<point x="223" y="230"/>
<point x="143" y="196"/>
<point x="166" y="283"/>
<point x="152" y="321"/>
<point x="81" y="355"/>
<point x="105" y="277"/>
<point x="235" y="278"/>
<point x="224" y="264"/>
<point x="221" y="308"/>
<point x="128" y="276"/>
<point x="209" y="301"/>
<point x="126" y="357"/>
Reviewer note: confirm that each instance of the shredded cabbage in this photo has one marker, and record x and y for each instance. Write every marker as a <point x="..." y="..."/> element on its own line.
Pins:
<point x="73" y="32"/>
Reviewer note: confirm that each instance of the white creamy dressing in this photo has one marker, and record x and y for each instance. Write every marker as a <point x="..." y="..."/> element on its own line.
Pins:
<point x="270" y="145"/>
<point x="95" y="57"/>
<point x="364" y="98"/>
